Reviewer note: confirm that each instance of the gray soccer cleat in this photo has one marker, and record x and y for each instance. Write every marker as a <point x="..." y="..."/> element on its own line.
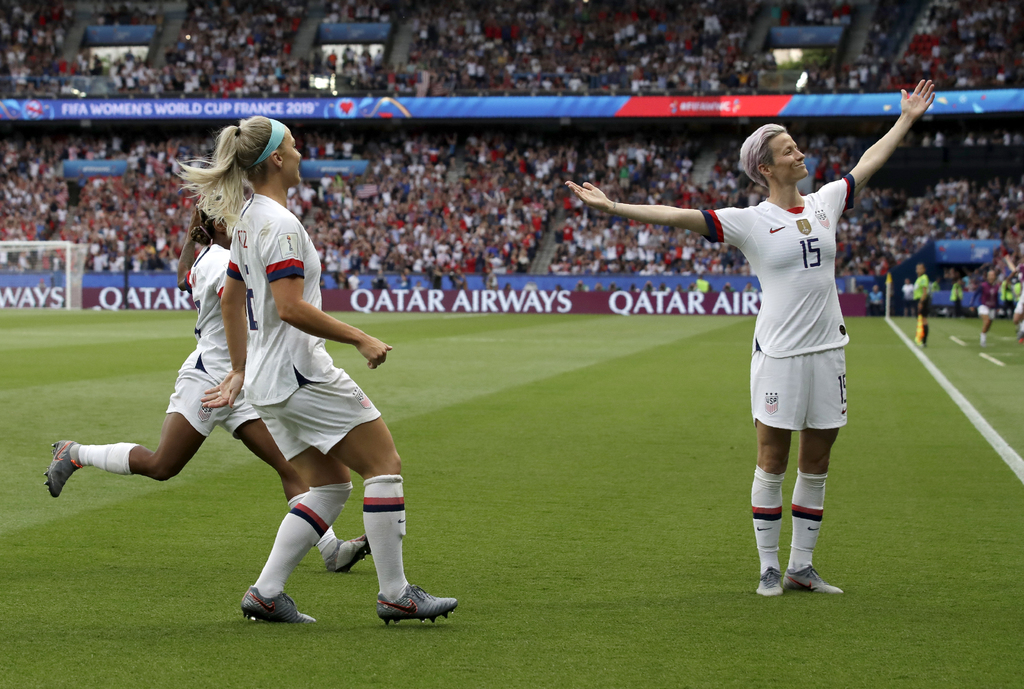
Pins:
<point x="808" y="579"/>
<point x="61" y="467"/>
<point x="771" y="583"/>
<point x="413" y="604"/>
<point x="280" y="608"/>
<point x="346" y="554"/>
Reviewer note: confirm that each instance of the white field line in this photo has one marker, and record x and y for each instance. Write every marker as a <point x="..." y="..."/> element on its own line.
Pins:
<point x="958" y="340"/>
<point x="1002" y="448"/>
<point x="994" y="360"/>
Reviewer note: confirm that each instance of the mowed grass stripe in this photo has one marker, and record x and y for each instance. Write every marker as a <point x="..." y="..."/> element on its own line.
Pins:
<point x="595" y="525"/>
<point x="996" y="392"/>
<point x="426" y="372"/>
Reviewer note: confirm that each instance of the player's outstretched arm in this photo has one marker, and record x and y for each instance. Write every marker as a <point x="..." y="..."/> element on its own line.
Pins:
<point x="912" y="106"/>
<point x="683" y="218"/>
<point x="298" y="313"/>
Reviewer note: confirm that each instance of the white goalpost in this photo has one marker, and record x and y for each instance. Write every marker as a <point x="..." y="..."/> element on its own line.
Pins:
<point x="41" y="274"/>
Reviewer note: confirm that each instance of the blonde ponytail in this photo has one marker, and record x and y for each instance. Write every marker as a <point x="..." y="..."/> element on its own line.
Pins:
<point x="219" y="181"/>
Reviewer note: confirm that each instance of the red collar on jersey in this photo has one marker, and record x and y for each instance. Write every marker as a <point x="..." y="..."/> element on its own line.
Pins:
<point x="797" y="210"/>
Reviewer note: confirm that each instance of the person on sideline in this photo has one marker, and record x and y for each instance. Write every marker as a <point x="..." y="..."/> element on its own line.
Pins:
<point x="322" y="421"/>
<point x="798" y="366"/>
<point x="923" y="301"/>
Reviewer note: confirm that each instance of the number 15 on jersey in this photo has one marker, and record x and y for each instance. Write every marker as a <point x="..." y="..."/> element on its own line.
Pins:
<point x="810" y="250"/>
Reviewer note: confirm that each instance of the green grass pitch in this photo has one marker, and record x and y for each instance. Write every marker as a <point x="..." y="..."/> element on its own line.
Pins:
<point x="581" y="484"/>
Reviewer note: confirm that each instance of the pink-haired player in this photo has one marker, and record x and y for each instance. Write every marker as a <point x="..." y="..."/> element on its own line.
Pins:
<point x="798" y="367"/>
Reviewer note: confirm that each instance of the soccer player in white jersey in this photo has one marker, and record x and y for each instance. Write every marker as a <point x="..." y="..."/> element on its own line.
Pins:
<point x="319" y="417"/>
<point x="189" y="422"/>
<point x="798" y="367"/>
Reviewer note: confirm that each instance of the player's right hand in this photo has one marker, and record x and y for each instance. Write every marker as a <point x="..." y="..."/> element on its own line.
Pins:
<point x="225" y="394"/>
<point x="590" y="195"/>
<point x="375" y="351"/>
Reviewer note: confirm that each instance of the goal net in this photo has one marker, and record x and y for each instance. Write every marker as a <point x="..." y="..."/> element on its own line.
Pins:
<point x="41" y="275"/>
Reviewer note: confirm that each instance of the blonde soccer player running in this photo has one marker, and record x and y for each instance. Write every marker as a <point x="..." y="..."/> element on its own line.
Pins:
<point x="188" y="422"/>
<point x="321" y="420"/>
<point x="798" y="366"/>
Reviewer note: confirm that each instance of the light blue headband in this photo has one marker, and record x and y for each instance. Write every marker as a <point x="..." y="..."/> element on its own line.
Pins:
<point x="276" y="137"/>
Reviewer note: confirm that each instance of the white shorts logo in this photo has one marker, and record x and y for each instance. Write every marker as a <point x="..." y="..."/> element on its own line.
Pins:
<point x="771" y="402"/>
<point x="362" y="399"/>
<point x="204" y="413"/>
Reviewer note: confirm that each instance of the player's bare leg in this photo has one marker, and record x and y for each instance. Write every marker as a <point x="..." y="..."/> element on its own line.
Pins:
<point x="255" y="436"/>
<point x="808" y="506"/>
<point x="179" y="443"/>
<point x="986" y="323"/>
<point x="773" y="445"/>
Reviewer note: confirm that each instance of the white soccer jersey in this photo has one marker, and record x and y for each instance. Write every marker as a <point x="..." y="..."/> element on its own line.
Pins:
<point x="793" y="254"/>
<point x="269" y="244"/>
<point x="206" y="283"/>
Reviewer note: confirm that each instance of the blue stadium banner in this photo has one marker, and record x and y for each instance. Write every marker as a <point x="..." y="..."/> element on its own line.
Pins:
<point x="507" y="107"/>
<point x="315" y="169"/>
<point x="354" y="33"/>
<point x="805" y="36"/>
<point x="958" y="251"/>
<point x="119" y="35"/>
<point x="73" y="169"/>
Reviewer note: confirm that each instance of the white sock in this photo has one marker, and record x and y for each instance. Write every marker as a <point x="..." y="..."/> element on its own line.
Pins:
<point x="983" y="338"/>
<point x="766" y="503"/>
<point x="301" y="528"/>
<point x="112" y="458"/>
<point x="808" y="501"/>
<point x="327" y="542"/>
<point x="384" y="520"/>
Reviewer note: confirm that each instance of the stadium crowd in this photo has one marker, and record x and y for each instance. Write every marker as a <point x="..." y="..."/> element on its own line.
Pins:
<point x="430" y="203"/>
<point x="224" y="48"/>
<point x="522" y="44"/>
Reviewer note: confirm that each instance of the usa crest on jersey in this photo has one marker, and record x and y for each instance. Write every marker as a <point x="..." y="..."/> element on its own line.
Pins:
<point x="771" y="402"/>
<point x="822" y="218"/>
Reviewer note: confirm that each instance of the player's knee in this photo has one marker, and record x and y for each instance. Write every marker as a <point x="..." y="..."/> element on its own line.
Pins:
<point x="391" y="463"/>
<point x="163" y="471"/>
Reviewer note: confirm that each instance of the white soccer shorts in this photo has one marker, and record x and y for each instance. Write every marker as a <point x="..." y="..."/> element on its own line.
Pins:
<point x="984" y="311"/>
<point x="187" y="400"/>
<point x="798" y="392"/>
<point x="1020" y="306"/>
<point x="317" y="415"/>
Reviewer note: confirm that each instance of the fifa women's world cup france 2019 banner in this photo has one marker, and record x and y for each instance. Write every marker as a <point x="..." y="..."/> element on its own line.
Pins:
<point x="559" y="301"/>
<point x="511" y="107"/>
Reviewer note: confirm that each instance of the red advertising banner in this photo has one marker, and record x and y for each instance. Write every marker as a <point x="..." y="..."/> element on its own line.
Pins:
<point x="704" y="106"/>
<point x="477" y="301"/>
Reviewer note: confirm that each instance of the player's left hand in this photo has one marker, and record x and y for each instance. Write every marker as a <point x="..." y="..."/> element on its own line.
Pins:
<point x="918" y="102"/>
<point x="225" y="394"/>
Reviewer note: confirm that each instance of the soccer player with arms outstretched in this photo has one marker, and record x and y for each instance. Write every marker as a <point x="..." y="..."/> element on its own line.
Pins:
<point x="798" y="366"/>
<point x="321" y="420"/>
<point x="189" y="422"/>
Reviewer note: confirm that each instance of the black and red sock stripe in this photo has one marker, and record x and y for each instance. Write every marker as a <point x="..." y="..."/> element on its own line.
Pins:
<point x="768" y="514"/>
<point x="383" y="504"/>
<point x="806" y="513"/>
